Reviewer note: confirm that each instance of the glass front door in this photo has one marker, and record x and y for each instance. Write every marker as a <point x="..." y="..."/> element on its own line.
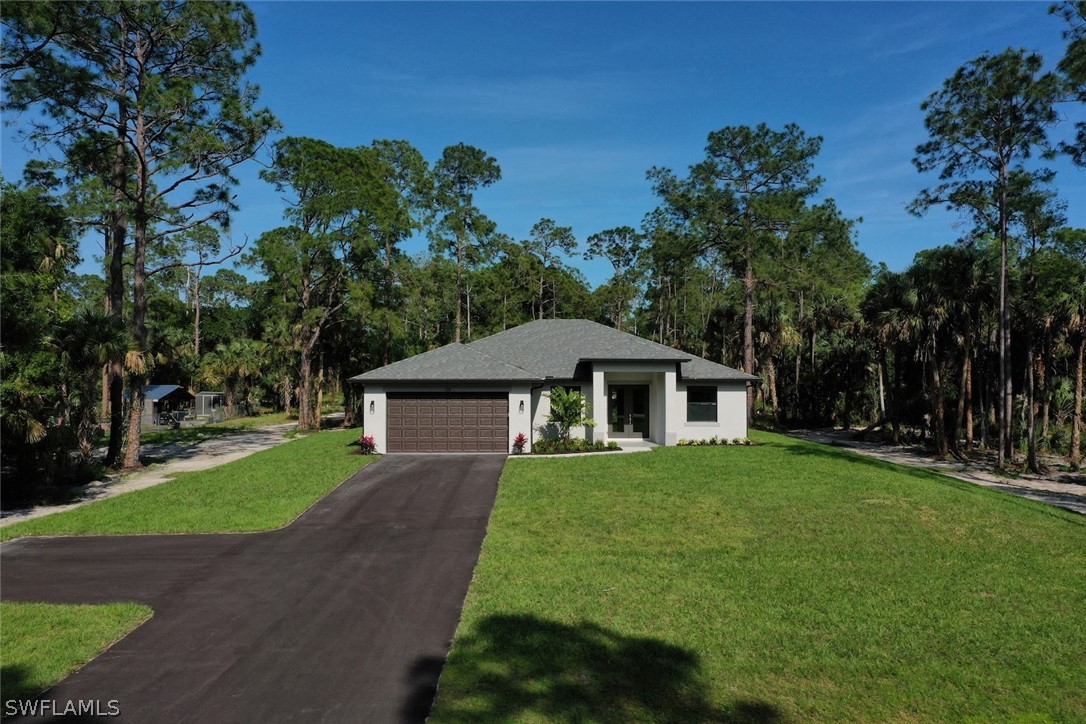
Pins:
<point x="628" y="410"/>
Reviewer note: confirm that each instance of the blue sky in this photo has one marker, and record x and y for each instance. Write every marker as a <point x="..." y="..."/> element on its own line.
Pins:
<point x="577" y="100"/>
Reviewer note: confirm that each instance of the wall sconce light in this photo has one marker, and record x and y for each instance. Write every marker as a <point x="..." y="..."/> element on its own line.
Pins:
<point x="371" y="407"/>
<point x="522" y="407"/>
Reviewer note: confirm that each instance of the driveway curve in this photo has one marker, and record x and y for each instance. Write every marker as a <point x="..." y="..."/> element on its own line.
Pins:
<point x="331" y="619"/>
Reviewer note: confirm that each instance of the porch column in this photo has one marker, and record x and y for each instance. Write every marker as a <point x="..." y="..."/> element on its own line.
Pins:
<point x="674" y="414"/>
<point x="599" y="407"/>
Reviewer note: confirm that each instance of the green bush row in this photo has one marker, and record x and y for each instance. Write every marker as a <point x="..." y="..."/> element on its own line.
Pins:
<point x="550" y="447"/>
<point x="714" y="440"/>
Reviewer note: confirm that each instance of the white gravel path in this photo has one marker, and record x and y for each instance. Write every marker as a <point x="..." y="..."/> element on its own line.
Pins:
<point x="176" y="458"/>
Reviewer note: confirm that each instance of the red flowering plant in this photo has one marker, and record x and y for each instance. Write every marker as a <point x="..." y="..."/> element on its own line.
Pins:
<point x="367" y="445"/>
<point x="519" y="442"/>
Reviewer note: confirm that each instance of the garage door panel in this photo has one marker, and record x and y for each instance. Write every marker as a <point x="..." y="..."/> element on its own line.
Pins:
<point x="448" y="422"/>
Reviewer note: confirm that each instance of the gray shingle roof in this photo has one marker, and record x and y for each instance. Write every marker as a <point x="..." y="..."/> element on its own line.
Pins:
<point x="699" y="368"/>
<point x="547" y="348"/>
<point x="553" y="347"/>
<point x="452" y="363"/>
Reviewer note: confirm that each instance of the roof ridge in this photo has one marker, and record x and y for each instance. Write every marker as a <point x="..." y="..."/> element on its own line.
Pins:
<point x="497" y="359"/>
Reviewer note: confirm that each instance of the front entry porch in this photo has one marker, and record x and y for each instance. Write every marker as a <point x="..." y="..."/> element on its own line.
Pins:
<point x="630" y="401"/>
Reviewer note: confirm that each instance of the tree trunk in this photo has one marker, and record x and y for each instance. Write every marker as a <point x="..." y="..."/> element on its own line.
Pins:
<point x="748" y="329"/>
<point x="103" y="407"/>
<point x="1031" y="421"/>
<point x="350" y="414"/>
<point x="882" y="388"/>
<point x="305" y="389"/>
<point x="1041" y="395"/>
<point x="386" y="347"/>
<point x="771" y="378"/>
<point x="459" y="284"/>
<point x="895" y="396"/>
<point x="959" y="419"/>
<point x="938" y="422"/>
<point x="88" y="422"/>
<point x="967" y="393"/>
<point x="1076" y="409"/>
<point x="139" y="333"/>
<point x="1006" y="444"/>
<point x="196" y="322"/>
<point x="320" y="393"/>
<point x="231" y="392"/>
<point x="118" y="236"/>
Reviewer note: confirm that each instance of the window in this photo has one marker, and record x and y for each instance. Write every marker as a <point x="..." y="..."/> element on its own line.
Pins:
<point x="701" y="404"/>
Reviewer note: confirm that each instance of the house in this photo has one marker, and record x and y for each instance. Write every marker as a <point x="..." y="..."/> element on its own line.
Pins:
<point x="477" y="397"/>
<point x="160" y="401"/>
<point x="209" y="404"/>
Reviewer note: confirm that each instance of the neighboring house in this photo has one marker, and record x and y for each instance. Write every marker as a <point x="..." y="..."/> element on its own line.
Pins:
<point x="163" y="400"/>
<point x="209" y="404"/>
<point x="477" y="397"/>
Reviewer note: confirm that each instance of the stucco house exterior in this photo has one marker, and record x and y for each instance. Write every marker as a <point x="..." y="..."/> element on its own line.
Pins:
<point x="477" y="397"/>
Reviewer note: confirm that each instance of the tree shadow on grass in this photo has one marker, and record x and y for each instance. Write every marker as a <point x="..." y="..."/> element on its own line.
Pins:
<point x="22" y="701"/>
<point x="15" y="682"/>
<point x="516" y="667"/>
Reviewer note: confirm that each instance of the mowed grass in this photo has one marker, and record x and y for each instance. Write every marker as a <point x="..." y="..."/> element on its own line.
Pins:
<point x="788" y="581"/>
<point x="263" y="491"/>
<point x="42" y="643"/>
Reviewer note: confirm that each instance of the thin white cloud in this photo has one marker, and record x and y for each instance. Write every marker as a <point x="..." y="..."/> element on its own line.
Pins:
<point x="539" y="96"/>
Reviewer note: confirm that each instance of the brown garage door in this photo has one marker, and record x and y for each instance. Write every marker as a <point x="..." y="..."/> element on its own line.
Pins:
<point x="448" y="422"/>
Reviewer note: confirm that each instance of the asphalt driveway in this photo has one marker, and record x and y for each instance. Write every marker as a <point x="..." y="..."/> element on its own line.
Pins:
<point x="337" y="617"/>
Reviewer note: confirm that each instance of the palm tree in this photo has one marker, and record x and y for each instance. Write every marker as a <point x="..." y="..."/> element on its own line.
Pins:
<point x="1072" y="318"/>
<point x="234" y="366"/>
<point x="882" y="312"/>
<point x="777" y="332"/>
<point x="86" y="342"/>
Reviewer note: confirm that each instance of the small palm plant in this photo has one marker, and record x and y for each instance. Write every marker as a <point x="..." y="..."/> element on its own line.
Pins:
<point x="86" y="342"/>
<point x="568" y="408"/>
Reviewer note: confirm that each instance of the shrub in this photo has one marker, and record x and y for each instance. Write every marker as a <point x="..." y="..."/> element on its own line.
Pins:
<point x="714" y="440"/>
<point x="612" y="445"/>
<point x="519" y="442"/>
<point x="737" y="441"/>
<point x="571" y="445"/>
<point x="367" y="445"/>
<point x="567" y="411"/>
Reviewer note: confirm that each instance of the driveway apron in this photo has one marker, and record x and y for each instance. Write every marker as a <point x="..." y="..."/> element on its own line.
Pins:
<point x="337" y="617"/>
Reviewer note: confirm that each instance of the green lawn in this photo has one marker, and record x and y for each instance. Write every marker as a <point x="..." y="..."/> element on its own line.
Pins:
<point x="42" y="643"/>
<point x="263" y="491"/>
<point x="787" y="581"/>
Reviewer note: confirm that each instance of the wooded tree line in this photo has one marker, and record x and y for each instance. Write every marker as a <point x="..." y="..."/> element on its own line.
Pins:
<point x="978" y="343"/>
